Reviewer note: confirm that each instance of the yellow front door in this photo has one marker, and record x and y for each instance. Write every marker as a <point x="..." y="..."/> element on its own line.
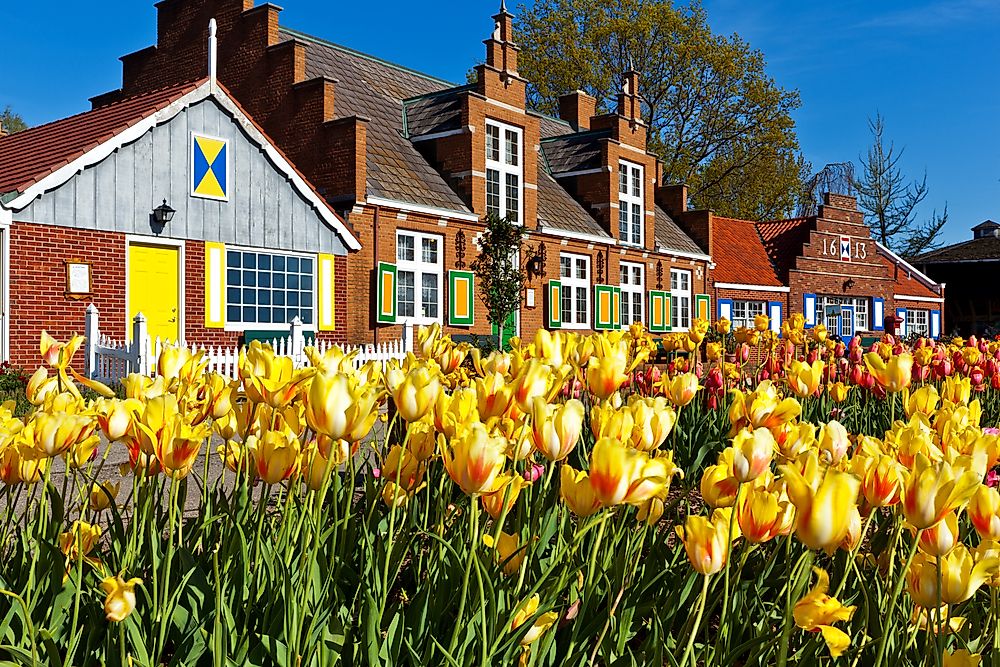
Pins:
<point x="154" y="289"/>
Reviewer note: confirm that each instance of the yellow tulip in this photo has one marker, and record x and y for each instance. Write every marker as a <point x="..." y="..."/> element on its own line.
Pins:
<point x="752" y="453"/>
<point x="893" y="375"/>
<point x="450" y="411"/>
<point x="956" y="390"/>
<point x="56" y="433"/>
<point x="120" y="599"/>
<point x="984" y="512"/>
<point x="706" y="542"/>
<point x="275" y="455"/>
<point x="340" y="407"/>
<point x="527" y="610"/>
<point x="833" y="441"/>
<point x="79" y="541"/>
<point x="961" y="658"/>
<point x="473" y="458"/>
<point x="933" y="490"/>
<point x="961" y="577"/>
<point x="653" y="420"/>
<point x="510" y="554"/>
<point x="761" y="322"/>
<point x="421" y="439"/>
<point x="555" y="429"/>
<point x="762" y="407"/>
<point x="414" y="396"/>
<point x="718" y="485"/>
<point x="652" y="478"/>
<point x="608" y="369"/>
<point x="804" y="379"/>
<point x="614" y="468"/>
<point x="102" y="495"/>
<point x="713" y="351"/>
<point x="403" y="468"/>
<point x="534" y="379"/>
<point x="41" y="386"/>
<point x="506" y="486"/>
<point x="941" y="538"/>
<point x="822" y="512"/>
<point x="494" y="394"/>
<point x="577" y="492"/>
<point x="838" y="392"/>
<point x="270" y="378"/>
<point x="762" y="514"/>
<point x="819" y="333"/>
<point x="681" y="389"/>
<point x="817" y="612"/>
<point x="882" y="481"/>
<point x="607" y="421"/>
<point x="923" y="401"/>
<point x="927" y="620"/>
<point x="115" y="417"/>
<point x="723" y="325"/>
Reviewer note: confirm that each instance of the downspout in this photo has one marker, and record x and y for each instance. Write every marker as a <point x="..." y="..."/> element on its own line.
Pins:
<point x="375" y="218"/>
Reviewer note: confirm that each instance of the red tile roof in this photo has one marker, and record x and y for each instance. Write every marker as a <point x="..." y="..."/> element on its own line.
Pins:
<point x="28" y="156"/>
<point x="739" y="254"/>
<point x="783" y="241"/>
<point x="907" y="283"/>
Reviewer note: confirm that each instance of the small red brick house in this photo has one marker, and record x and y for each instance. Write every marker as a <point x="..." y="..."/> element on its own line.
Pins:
<point x="827" y="267"/>
<point x="414" y="164"/>
<point x="250" y="244"/>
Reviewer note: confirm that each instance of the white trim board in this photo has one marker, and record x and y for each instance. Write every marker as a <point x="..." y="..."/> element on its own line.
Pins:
<point x="132" y="133"/>
<point x="752" y="288"/>
<point x="909" y="267"/>
<point x="579" y="236"/>
<point x="420" y="208"/>
<point x="920" y="299"/>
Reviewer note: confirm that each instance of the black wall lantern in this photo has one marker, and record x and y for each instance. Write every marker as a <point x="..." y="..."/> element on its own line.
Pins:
<point x="163" y="213"/>
<point x="536" y="265"/>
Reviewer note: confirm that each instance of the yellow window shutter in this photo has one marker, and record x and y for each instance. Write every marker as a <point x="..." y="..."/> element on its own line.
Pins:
<point x="215" y="285"/>
<point x="325" y="291"/>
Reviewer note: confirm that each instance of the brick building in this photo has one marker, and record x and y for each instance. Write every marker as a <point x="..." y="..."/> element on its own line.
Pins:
<point x="250" y="244"/>
<point x="827" y="267"/>
<point x="414" y="164"/>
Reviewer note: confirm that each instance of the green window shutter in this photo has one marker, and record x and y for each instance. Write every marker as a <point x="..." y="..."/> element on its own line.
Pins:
<point x="385" y="293"/>
<point x="616" y="316"/>
<point x="703" y="307"/>
<point x="604" y="305"/>
<point x="659" y="311"/>
<point x="461" y="310"/>
<point x="553" y="303"/>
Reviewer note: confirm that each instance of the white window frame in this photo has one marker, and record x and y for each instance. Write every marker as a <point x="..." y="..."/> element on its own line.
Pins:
<point x="418" y="268"/>
<point x="631" y="203"/>
<point x="680" y="300"/>
<point x="265" y="326"/>
<point x="749" y="308"/>
<point x="572" y="285"/>
<point x="633" y="291"/>
<point x="505" y="169"/>
<point x="861" y="311"/>
<point x="915" y="327"/>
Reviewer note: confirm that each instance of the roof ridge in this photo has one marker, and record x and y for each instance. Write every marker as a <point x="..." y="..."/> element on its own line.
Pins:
<point x="367" y="56"/>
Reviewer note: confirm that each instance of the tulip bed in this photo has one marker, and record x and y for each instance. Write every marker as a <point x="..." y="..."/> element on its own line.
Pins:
<point x="753" y="499"/>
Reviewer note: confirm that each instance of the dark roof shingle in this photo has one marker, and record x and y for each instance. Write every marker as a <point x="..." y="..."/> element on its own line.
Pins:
<point x="985" y="249"/>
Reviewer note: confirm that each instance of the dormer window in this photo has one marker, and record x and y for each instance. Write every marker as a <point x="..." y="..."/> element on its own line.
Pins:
<point x="504" y="173"/>
<point x="631" y="206"/>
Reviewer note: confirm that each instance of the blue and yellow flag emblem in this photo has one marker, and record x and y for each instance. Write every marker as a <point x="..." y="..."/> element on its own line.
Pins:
<point x="209" y="168"/>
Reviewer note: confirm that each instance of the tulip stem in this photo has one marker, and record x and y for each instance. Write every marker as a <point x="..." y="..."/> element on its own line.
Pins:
<point x="697" y="621"/>
<point x="896" y="590"/>
<point x="473" y="534"/>
<point x="805" y="561"/>
<point x="729" y="553"/>
<point x="852" y="554"/>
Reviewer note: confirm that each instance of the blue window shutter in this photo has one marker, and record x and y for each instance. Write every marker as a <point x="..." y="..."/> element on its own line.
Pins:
<point x="774" y="312"/>
<point x="725" y="307"/>
<point x="809" y="309"/>
<point x="878" y="314"/>
<point x="935" y="324"/>
<point x="901" y="314"/>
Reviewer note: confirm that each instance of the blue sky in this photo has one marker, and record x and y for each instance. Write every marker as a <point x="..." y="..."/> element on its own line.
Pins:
<point x="929" y="66"/>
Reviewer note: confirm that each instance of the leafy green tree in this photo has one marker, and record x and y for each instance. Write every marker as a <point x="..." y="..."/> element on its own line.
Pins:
<point x="716" y="118"/>
<point x="890" y="199"/>
<point x="12" y="122"/>
<point x="498" y="270"/>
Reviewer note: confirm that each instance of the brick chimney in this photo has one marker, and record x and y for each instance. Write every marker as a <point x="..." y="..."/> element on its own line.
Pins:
<point x="501" y="51"/>
<point x="577" y="108"/>
<point x="629" y="102"/>
<point x="673" y="198"/>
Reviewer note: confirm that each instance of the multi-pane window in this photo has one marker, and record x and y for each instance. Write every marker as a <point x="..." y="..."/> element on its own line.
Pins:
<point x="833" y="321"/>
<point x="680" y="299"/>
<point x="504" y="175"/>
<point x="918" y="321"/>
<point x="574" y="275"/>
<point x="268" y="290"/>
<point x="632" y="286"/>
<point x="631" y="208"/>
<point x="418" y="276"/>
<point x="745" y="311"/>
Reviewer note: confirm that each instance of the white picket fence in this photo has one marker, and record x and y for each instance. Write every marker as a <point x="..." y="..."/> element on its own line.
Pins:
<point x="109" y="360"/>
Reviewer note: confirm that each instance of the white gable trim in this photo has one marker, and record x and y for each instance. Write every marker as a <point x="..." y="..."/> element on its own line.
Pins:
<point x="909" y="267"/>
<point x="420" y="208"/>
<point x="752" y="288"/>
<point x="579" y="236"/>
<point x="921" y="299"/>
<point x="686" y="255"/>
<point x="130" y="134"/>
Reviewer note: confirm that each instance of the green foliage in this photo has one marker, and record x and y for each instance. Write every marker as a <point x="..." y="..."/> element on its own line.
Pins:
<point x="12" y="121"/>
<point x="718" y="121"/>
<point x="498" y="268"/>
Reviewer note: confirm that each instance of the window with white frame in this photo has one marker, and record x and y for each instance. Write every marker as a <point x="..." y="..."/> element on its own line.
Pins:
<point x="680" y="299"/>
<point x="633" y="289"/>
<point x="574" y="276"/>
<point x="504" y="171"/>
<point x="267" y="290"/>
<point x="631" y="207"/>
<point x="918" y="321"/>
<point x="860" y="305"/>
<point x="745" y="311"/>
<point x="418" y="276"/>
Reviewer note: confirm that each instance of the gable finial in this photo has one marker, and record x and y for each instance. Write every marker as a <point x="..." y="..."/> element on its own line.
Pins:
<point x="213" y="51"/>
<point x="503" y="6"/>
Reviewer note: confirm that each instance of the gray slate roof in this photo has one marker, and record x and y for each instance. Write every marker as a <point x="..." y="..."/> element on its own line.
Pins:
<point x="985" y="249"/>
<point x="574" y="152"/>
<point x="402" y="103"/>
